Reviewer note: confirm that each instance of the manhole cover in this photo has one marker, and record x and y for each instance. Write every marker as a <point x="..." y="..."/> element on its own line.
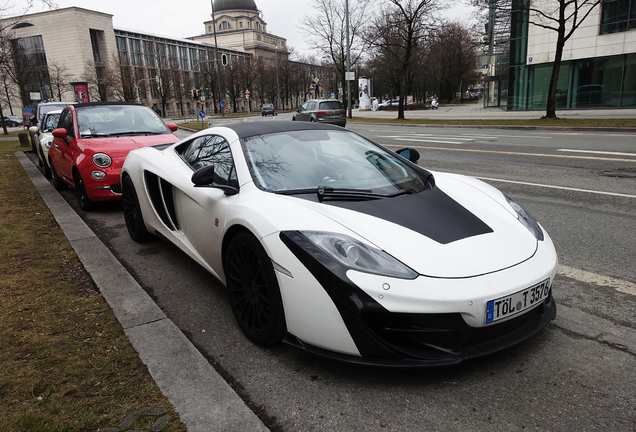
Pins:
<point x="621" y="172"/>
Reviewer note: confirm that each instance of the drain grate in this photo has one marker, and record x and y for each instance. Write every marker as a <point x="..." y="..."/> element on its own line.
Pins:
<point x="620" y="172"/>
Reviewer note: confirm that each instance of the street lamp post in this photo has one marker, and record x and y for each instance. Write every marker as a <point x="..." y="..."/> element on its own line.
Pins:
<point x="277" y="85"/>
<point x="216" y="60"/>
<point x="348" y="63"/>
<point x="156" y="78"/>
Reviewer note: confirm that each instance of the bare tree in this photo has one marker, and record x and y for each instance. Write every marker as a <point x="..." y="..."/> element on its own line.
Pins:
<point x="326" y="28"/>
<point x="398" y="31"/>
<point x="451" y="61"/>
<point x="564" y="18"/>
<point x="102" y="78"/>
<point x="60" y="79"/>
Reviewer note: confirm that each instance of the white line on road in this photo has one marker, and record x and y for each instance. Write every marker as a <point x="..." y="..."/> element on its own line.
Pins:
<point x="557" y="187"/>
<point x="429" y="140"/>
<point x="597" y="279"/>
<point x="597" y="152"/>
<point x="517" y="153"/>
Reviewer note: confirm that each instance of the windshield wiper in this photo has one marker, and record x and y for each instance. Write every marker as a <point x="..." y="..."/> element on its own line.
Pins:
<point x="135" y="133"/>
<point x="92" y="135"/>
<point x="324" y="192"/>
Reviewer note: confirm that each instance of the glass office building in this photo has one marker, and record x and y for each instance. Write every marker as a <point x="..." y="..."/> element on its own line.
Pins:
<point x="594" y="82"/>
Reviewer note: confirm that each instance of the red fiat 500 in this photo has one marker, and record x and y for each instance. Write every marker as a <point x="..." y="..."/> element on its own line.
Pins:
<point x="93" y="139"/>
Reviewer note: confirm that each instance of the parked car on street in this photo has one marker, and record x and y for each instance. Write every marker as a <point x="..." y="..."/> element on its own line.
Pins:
<point x="328" y="111"/>
<point x="335" y="245"/>
<point x="268" y="109"/>
<point x="12" y="121"/>
<point x="42" y="134"/>
<point x="93" y="139"/>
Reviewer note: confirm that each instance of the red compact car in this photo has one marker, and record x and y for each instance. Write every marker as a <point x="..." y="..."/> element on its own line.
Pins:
<point x="93" y="139"/>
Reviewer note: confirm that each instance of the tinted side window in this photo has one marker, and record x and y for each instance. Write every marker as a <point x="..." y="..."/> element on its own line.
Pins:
<point x="305" y="106"/>
<point x="211" y="150"/>
<point x="66" y="122"/>
<point x="312" y="106"/>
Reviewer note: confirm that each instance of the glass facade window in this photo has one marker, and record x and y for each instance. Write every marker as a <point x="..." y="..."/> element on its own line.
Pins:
<point x="618" y="16"/>
<point x="149" y="54"/>
<point x="628" y="98"/>
<point x="183" y="58"/>
<point x="135" y="52"/>
<point x="122" y="49"/>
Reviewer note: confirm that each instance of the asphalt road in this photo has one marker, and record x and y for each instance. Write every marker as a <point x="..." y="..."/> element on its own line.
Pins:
<point x="559" y="380"/>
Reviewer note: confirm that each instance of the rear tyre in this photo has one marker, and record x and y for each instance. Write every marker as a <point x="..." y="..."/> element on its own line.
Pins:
<point x="80" y="192"/>
<point x="132" y="213"/>
<point x="47" y="170"/>
<point x="58" y="183"/>
<point x="253" y="290"/>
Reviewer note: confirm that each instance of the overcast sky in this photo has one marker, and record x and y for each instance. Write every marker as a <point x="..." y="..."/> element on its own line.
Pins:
<point x="180" y="19"/>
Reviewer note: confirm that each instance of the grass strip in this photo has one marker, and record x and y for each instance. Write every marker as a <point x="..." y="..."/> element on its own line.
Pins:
<point x="67" y="364"/>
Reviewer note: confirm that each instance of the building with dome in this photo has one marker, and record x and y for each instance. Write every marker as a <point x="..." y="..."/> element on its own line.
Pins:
<point x="240" y="26"/>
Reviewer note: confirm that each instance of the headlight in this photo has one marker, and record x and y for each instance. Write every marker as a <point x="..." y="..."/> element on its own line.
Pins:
<point x="46" y="142"/>
<point x="357" y="256"/>
<point x="102" y="160"/>
<point x="98" y="175"/>
<point x="527" y="220"/>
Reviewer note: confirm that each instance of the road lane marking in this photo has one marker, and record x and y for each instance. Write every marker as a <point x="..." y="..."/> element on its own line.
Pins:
<point x="557" y="187"/>
<point x="597" y="152"/>
<point x="597" y="279"/>
<point x="516" y="153"/>
<point x="429" y="140"/>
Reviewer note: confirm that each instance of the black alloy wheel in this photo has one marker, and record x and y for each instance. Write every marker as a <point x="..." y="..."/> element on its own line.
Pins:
<point x="80" y="192"/>
<point x="132" y="213"/>
<point x="253" y="290"/>
<point x="47" y="170"/>
<point x="58" y="183"/>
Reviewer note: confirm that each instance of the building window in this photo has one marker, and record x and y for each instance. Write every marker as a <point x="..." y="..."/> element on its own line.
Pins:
<point x="135" y="52"/>
<point x="618" y="16"/>
<point x="122" y="50"/>
<point x="224" y="26"/>
<point x="209" y="29"/>
<point x="241" y="24"/>
<point x="183" y="58"/>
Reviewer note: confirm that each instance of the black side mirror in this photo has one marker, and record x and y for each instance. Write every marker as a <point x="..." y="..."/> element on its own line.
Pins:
<point x="204" y="177"/>
<point x="410" y="154"/>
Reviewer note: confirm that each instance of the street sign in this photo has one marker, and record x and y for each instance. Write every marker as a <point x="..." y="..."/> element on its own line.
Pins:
<point x="222" y="104"/>
<point x="333" y="95"/>
<point x="201" y="113"/>
<point x="227" y="110"/>
<point x="202" y="103"/>
<point x="316" y="80"/>
<point x="350" y="76"/>
<point x="247" y="91"/>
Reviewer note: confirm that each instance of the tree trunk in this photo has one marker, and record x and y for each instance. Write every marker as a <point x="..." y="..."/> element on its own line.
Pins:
<point x="554" y="79"/>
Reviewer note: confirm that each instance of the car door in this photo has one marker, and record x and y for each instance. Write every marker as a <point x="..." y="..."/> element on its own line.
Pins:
<point x="202" y="211"/>
<point x="65" y="149"/>
<point x="302" y="114"/>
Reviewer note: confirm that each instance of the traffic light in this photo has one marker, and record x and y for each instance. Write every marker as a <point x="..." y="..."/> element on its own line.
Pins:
<point x="224" y="59"/>
<point x="195" y="93"/>
<point x="191" y="94"/>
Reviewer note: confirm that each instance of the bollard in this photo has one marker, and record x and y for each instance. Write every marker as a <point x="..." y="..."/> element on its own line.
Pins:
<point x="24" y="139"/>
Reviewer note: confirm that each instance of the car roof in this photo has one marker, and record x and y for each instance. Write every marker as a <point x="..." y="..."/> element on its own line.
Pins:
<point x="250" y="129"/>
<point x="56" y="111"/>
<point x="87" y="104"/>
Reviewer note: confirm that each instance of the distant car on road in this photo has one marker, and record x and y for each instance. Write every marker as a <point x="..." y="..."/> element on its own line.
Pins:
<point x="322" y="111"/>
<point x="12" y="121"/>
<point x="268" y="109"/>
<point x="93" y="139"/>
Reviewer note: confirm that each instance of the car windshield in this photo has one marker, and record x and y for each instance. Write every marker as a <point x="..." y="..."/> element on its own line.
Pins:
<point x="113" y="120"/>
<point x="267" y="106"/>
<point x="50" y="121"/>
<point x="312" y="159"/>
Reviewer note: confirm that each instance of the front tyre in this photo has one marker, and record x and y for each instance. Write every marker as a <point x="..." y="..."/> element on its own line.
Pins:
<point x="253" y="290"/>
<point x="58" y="183"/>
<point x="80" y="192"/>
<point x="132" y="213"/>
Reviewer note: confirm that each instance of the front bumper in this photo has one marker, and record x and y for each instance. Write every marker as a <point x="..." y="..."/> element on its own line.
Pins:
<point x="421" y="322"/>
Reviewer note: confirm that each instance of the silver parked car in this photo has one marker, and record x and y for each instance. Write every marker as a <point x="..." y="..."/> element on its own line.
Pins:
<point x="322" y="111"/>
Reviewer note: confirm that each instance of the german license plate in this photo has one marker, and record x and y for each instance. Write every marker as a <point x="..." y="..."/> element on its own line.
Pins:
<point x="518" y="302"/>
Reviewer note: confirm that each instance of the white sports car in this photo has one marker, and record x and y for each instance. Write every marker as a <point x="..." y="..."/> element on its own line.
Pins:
<point x="331" y="243"/>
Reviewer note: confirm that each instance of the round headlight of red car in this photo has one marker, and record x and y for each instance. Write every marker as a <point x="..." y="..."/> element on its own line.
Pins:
<point x="98" y="175"/>
<point x="102" y="160"/>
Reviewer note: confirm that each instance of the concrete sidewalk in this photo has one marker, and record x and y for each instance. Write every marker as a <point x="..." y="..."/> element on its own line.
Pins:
<point x="478" y="112"/>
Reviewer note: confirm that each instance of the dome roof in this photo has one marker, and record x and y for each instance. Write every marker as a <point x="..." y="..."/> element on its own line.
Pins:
<point x="223" y="5"/>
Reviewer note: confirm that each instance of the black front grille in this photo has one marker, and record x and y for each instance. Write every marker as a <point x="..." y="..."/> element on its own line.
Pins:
<point x="116" y="188"/>
<point x="438" y="336"/>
